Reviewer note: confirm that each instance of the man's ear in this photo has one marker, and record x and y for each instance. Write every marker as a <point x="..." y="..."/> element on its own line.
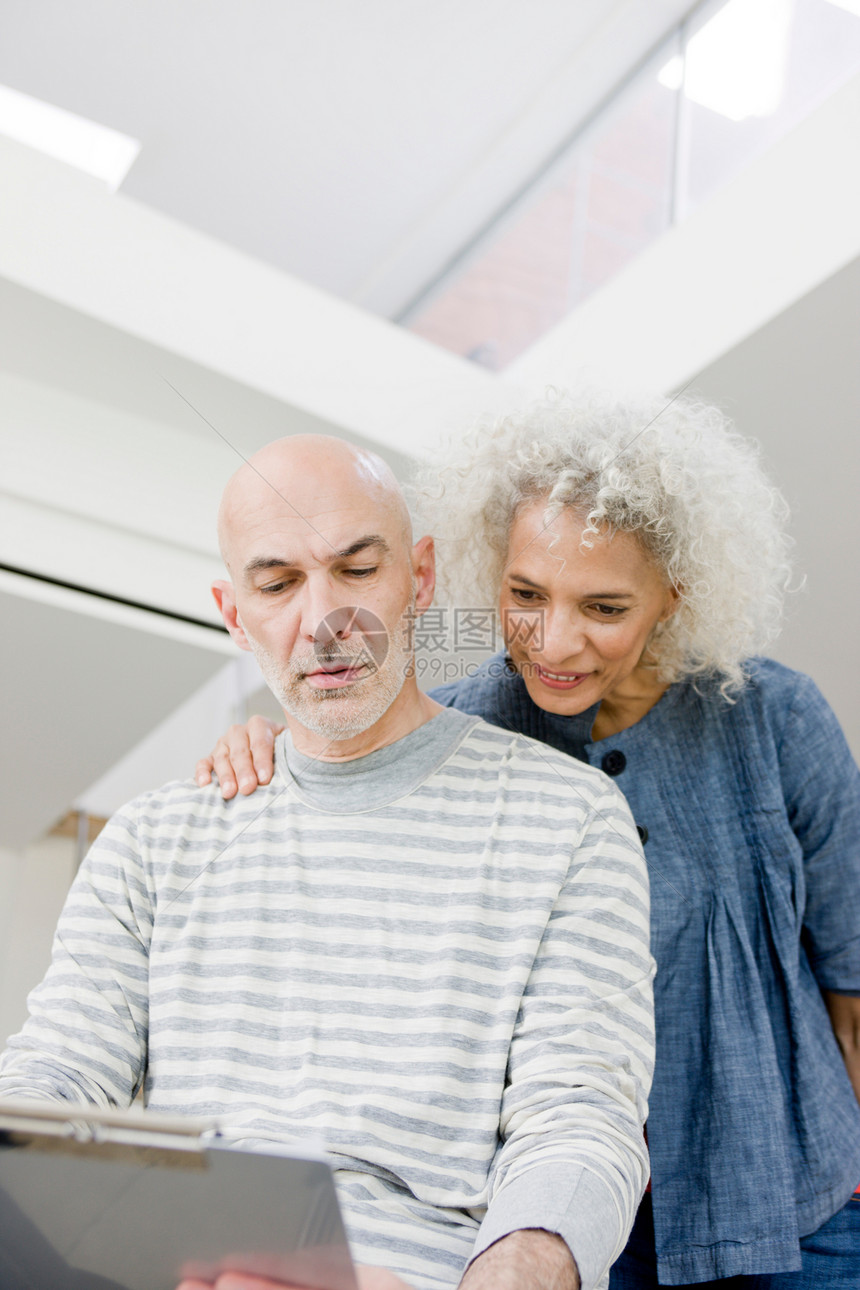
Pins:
<point x="225" y="599"/>
<point x="424" y="568"/>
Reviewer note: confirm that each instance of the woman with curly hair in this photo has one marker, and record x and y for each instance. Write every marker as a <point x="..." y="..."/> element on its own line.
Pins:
<point x="638" y="556"/>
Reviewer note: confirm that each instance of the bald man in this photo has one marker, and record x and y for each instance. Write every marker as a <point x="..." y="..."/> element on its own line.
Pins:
<point x="425" y="941"/>
<point x="341" y="671"/>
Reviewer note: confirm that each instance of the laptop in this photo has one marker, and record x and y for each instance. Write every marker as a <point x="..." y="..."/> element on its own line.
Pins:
<point x="114" y="1200"/>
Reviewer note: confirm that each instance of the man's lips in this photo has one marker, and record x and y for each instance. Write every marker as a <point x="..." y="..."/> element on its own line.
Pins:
<point x="560" y="680"/>
<point x="335" y="675"/>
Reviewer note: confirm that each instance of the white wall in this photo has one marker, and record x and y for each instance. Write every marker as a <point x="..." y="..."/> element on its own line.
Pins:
<point x="34" y="882"/>
<point x="795" y="386"/>
<point x="82" y="680"/>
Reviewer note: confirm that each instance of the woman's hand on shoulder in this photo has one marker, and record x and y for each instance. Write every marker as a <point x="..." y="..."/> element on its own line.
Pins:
<point x="242" y="759"/>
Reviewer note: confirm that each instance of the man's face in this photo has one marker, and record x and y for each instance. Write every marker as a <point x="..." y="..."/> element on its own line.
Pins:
<point x="350" y="678"/>
<point x="325" y="601"/>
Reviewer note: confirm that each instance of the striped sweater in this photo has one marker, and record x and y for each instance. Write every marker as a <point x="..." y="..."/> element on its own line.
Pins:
<point x="434" y="958"/>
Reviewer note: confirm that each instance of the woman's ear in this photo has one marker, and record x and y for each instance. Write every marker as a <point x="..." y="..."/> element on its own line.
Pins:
<point x="674" y="596"/>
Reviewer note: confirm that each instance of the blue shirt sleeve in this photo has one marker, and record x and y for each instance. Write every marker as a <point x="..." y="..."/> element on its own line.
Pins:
<point x="821" y="785"/>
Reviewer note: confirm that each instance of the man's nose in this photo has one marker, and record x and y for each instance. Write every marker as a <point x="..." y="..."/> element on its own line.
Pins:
<point x="325" y="618"/>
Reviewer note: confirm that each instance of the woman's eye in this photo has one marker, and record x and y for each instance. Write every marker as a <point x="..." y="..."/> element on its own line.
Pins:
<point x="609" y="611"/>
<point x="524" y="595"/>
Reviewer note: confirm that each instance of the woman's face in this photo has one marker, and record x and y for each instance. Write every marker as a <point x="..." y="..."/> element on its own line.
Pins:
<point x="576" y="620"/>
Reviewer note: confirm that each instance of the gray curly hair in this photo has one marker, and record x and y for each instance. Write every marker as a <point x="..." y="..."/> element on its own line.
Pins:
<point x="675" y="474"/>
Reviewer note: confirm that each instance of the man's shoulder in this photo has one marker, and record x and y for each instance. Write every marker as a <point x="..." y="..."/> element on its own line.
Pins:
<point x="181" y="804"/>
<point x="538" y="797"/>
<point x="535" y="763"/>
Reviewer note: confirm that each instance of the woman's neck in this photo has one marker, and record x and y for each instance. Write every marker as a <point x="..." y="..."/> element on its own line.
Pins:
<point x="628" y="703"/>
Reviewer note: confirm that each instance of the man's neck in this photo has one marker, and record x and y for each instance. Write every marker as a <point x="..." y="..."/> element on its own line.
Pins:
<point x="409" y="710"/>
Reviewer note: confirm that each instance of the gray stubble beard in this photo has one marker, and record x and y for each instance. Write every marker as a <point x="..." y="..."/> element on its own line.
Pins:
<point x="327" y="712"/>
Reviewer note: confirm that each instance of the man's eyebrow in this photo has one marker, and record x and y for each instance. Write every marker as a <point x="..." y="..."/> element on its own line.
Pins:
<point x="372" y="541"/>
<point x="263" y="562"/>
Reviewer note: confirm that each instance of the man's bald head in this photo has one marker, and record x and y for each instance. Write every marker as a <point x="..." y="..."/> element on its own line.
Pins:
<point x="309" y="477"/>
<point x="324" y="588"/>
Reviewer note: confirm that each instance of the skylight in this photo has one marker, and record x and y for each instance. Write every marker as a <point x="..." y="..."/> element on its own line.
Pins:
<point x="850" y="6"/>
<point x="736" y="63"/>
<point x="93" y="148"/>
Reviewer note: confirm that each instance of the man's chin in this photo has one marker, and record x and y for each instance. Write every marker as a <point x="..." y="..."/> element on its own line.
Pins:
<point x="336" y="731"/>
<point x="327" y="714"/>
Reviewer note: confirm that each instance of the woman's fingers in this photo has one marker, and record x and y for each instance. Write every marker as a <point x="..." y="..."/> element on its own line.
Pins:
<point x="261" y="736"/>
<point x="242" y="758"/>
<point x="203" y="771"/>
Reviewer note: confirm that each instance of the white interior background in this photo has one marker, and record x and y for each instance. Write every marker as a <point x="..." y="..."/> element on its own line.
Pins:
<point x="306" y="174"/>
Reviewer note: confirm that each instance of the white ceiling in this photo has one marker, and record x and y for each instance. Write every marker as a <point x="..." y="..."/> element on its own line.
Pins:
<point x="357" y="145"/>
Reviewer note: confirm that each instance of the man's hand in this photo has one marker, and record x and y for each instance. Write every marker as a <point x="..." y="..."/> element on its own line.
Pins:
<point x="368" y="1279"/>
<point x="242" y="759"/>
<point x="527" y="1260"/>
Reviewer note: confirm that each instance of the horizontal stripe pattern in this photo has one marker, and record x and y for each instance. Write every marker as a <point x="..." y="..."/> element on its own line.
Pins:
<point x="462" y="961"/>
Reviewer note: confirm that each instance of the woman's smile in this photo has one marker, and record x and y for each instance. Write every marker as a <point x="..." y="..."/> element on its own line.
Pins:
<point x="577" y="620"/>
<point x="558" y="680"/>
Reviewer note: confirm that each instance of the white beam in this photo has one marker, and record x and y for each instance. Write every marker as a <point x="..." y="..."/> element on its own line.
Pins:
<point x="64" y="237"/>
<point x="96" y="497"/>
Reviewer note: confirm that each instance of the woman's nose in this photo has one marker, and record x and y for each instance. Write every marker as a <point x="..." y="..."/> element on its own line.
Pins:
<point x="561" y="637"/>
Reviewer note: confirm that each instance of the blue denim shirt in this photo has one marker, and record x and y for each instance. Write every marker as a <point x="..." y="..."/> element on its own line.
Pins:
<point x="752" y="812"/>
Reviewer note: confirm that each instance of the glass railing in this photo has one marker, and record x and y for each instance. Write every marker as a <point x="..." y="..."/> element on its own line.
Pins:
<point x="729" y="83"/>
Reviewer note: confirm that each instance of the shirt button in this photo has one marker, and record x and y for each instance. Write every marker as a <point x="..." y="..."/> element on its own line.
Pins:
<point x="614" y="762"/>
<point x="643" y="833"/>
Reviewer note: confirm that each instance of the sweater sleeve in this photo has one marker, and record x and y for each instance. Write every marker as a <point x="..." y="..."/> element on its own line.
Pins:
<point x="86" y="1034"/>
<point x="572" y="1158"/>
